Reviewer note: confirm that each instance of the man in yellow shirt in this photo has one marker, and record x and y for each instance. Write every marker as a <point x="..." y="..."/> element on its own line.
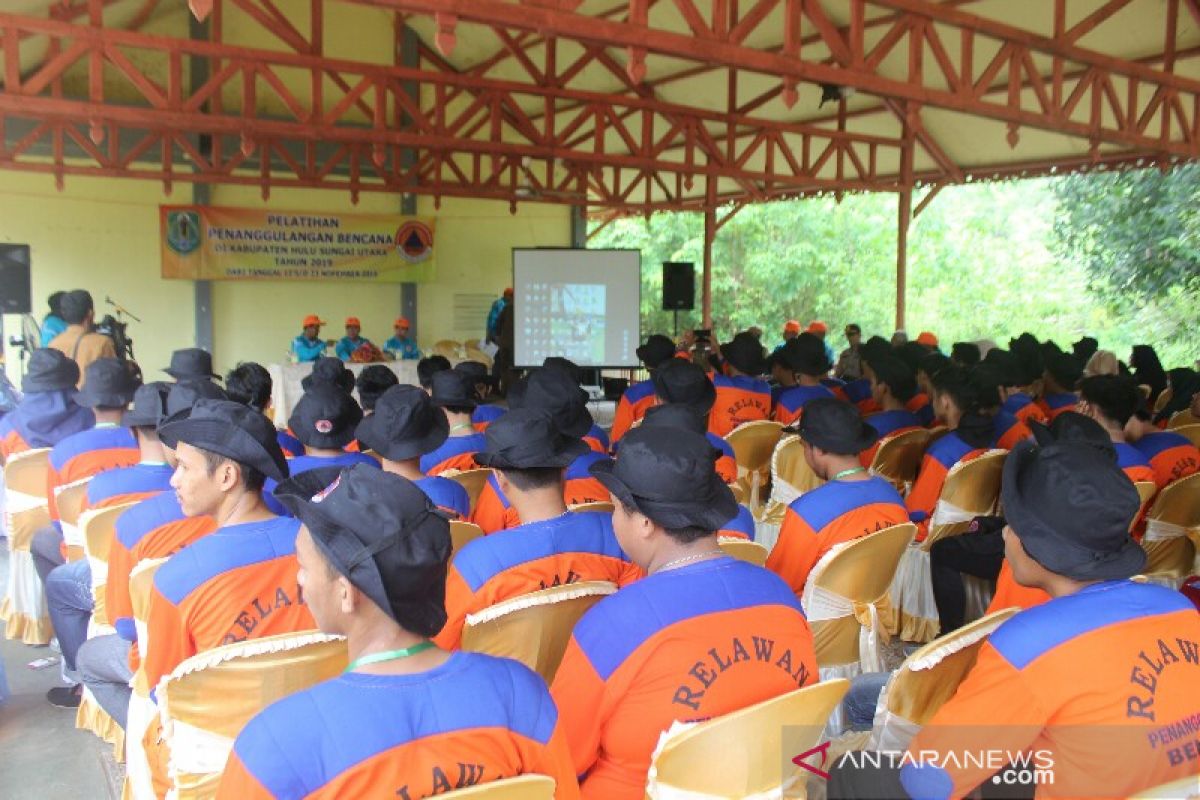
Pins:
<point x="79" y="341"/>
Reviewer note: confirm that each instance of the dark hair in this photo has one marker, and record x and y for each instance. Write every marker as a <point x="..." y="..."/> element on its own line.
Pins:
<point x="372" y="382"/>
<point x="933" y="363"/>
<point x="1064" y="369"/>
<point x="459" y="409"/>
<point x="1147" y="369"/>
<point x="528" y="480"/>
<point x="55" y="303"/>
<point x="681" y="535"/>
<point x="1115" y="396"/>
<point x="853" y="327"/>
<point x="252" y="479"/>
<point x="977" y="396"/>
<point x="1184" y="383"/>
<point x="250" y="384"/>
<point x="965" y="354"/>
<point x="895" y="374"/>
<point x="1028" y="358"/>
<point x="76" y="304"/>
<point x="429" y="365"/>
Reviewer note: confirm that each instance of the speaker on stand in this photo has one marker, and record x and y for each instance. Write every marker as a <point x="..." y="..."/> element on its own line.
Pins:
<point x="679" y="288"/>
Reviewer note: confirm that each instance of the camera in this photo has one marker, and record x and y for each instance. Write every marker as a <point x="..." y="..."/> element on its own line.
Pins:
<point x="116" y="330"/>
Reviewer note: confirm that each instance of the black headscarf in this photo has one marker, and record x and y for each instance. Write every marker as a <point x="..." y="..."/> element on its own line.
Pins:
<point x="1148" y="370"/>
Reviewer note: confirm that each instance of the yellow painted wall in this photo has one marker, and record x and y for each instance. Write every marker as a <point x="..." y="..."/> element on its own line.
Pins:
<point x="102" y="235"/>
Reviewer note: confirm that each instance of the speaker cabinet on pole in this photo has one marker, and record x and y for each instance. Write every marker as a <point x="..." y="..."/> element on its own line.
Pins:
<point x="15" y="295"/>
<point x="679" y="286"/>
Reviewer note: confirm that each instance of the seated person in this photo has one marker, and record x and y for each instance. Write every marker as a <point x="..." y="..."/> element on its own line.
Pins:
<point x="682" y="383"/>
<point x="323" y="421"/>
<point x="1008" y="428"/>
<point x="703" y="635"/>
<point x="552" y="546"/>
<point x="352" y="340"/>
<point x="400" y="347"/>
<point x="371" y="383"/>
<point x="1111" y="401"/>
<point x="476" y="373"/>
<point x="191" y="364"/>
<point x="250" y="383"/>
<point x="1069" y="508"/>
<point x="741" y="395"/>
<point x="1171" y="455"/>
<point x="53" y="323"/>
<point x="805" y="357"/>
<point x="331" y="372"/>
<point x="1058" y="395"/>
<point x="47" y="413"/>
<point x="405" y="426"/>
<point x="893" y="384"/>
<point x="454" y="394"/>
<point x="921" y="404"/>
<point x="632" y="406"/>
<point x="426" y="368"/>
<point x="852" y="504"/>
<point x="309" y="346"/>
<point x="966" y="401"/>
<point x="595" y="436"/>
<point x="405" y="715"/>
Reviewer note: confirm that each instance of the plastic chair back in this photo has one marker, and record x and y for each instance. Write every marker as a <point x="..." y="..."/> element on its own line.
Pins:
<point x="463" y="533"/>
<point x="972" y="489"/>
<point x="898" y="458"/>
<point x="23" y="609"/>
<point x="97" y="528"/>
<point x="744" y="550"/>
<point x="473" y="481"/>
<point x="522" y="787"/>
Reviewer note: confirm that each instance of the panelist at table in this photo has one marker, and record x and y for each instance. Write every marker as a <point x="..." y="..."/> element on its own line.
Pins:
<point x="351" y="341"/>
<point x="400" y="347"/>
<point x="309" y="346"/>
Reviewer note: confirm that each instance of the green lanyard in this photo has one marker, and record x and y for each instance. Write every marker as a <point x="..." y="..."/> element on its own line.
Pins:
<point x="389" y="655"/>
<point x="850" y="471"/>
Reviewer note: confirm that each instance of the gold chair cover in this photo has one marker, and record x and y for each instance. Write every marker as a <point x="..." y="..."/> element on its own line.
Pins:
<point x="522" y="787"/>
<point x="23" y="609"/>
<point x="790" y="478"/>
<point x="1164" y="397"/>
<point x="744" y="550"/>
<point x="97" y="528"/>
<point x="450" y="349"/>
<point x="463" y="533"/>
<point x="600" y="506"/>
<point x="472" y="480"/>
<point x="143" y="714"/>
<point x="534" y="628"/>
<point x="696" y="758"/>
<point x="1181" y="418"/>
<point x="70" y="500"/>
<point x="1171" y="525"/>
<point x="1192" y="432"/>
<point x="753" y="443"/>
<point x="898" y="458"/>
<point x="207" y="700"/>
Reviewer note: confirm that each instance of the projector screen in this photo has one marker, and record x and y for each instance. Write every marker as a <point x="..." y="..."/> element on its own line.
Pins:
<point x="580" y="304"/>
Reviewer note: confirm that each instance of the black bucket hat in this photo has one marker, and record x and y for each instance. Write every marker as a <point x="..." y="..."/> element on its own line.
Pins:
<point x="329" y="371"/>
<point x="476" y="372"/>
<point x="107" y="383"/>
<point x="1071" y="506"/>
<point x="325" y="417"/>
<point x="805" y="354"/>
<point x="149" y="405"/>
<point x="656" y="350"/>
<point x="191" y="364"/>
<point x="745" y="354"/>
<point x="50" y="370"/>
<point x="406" y="424"/>
<point x="676" y="415"/>
<point x="680" y="382"/>
<point x="382" y="533"/>
<point x="669" y="475"/>
<point x="455" y="389"/>
<point x="835" y="426"/>
<point x="552" y="390"/>
<point x="183" y="396"/>
<point x="528" y="438"/>
<point x="233" y="430"/>
<point x="1071" y="426"/>
<point x="568" y="366"/>
<point x="1065" y="370"/>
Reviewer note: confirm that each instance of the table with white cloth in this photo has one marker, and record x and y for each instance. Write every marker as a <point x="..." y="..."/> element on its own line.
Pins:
<point x="286" y="389"/>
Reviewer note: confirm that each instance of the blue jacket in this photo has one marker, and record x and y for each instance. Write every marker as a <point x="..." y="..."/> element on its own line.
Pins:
<point x="306" y="350"/>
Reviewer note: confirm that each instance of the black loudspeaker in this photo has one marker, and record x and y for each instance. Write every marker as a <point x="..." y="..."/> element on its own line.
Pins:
<point x="15" y="295"/>
<point x="679" y="285"/>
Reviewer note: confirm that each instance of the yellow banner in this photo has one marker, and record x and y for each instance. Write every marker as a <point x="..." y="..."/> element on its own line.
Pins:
<point x="213" y="243"/>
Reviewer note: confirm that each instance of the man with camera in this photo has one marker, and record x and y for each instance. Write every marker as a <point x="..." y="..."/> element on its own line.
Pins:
<point x="79" y="341"/>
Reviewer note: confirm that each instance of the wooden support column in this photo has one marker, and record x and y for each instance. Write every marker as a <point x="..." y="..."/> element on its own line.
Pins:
<point x="710" y="235"/>
<point x="904" y="215"/>
<point x="202" y="299"/>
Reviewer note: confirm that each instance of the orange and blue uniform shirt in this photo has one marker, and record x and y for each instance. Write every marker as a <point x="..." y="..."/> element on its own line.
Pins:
<point x="538" y="555"/>
<point x="1102" y="683"/>
<point x="1010" y="594"/>
<point x="447" y="495"/>
<point x="472" y="720"/>
<point x="922" y="406"/>
<point x="939" y="459"/>
<point x="858" y="392"/>
<point x="631" y="407"/>
<point x="290" y="445"/>
<point x="128" y="484"/>
<point x="494" y="512"/>
<point x="888" y="424"/>
<point x="740" y="399"/>
<point x="457" y="452"/>
<point x="789" y="406"/>
<point x="1171" y="455"/>
<point x="236" y="583"/>
<point x="1133" y="462"/>
<point x="42" y="419"/>
<point x="1053" y="405"/>
<point x="485" y="415"/>
<point x="598" y="440"/>
<point x="1010" y="430"/>
<point x="836" y="512"/>
<point x="301" y="464"/>
<point x="84" y="454"/>
<point x="740" y="527"/>
<point x="687" y="644"/>
<point x="1023" y="407"/>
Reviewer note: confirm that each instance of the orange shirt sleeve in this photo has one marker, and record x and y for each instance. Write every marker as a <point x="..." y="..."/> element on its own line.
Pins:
<point x="116" y="589"/>
<point x="169" y="641"/>
<point x="579" y="694"/>
<point x="460" y="601"/>
<point x="795" y="552"/>
<point x="53" y="481"/>
<point x="238" y="784"/>
<point x="623" y="419"/>
<point x="925" y="493"/>
<point x="490" y="514"/>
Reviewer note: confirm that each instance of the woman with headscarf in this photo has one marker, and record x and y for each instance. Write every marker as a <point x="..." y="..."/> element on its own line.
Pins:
<point x="1148" y="370"/>
<point x="48" y="412"/>
<point x="1184" y="383"/>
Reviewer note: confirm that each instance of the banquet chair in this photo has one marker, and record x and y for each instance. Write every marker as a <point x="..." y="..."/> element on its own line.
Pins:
<point x="1173" y="519"/>
<point x="522" y="787"/>
<point x="744" y="550"/>
<point x="695" y="760"/>
<point x="475" y="354"/>
<point x="1192" y="432"/>
<point x="207" y="700"/>
<point x="898" y="458"/>
<point x="70" y="500"/>
<point x="139" y="783"/>
<point x="791" y="476"/>
<point x="601" y="506"/>
<point x="462" y="534"/>
<point x="473" y="480"/>
<point x="753" y="443"/>
<point x="926" y="680"/>
<point x="449" y="348"/>
<point x="23" y="609"/>
<point x="533" y="628"/>
<point x="1181" y="418"/>
<point x="972" y="489"/>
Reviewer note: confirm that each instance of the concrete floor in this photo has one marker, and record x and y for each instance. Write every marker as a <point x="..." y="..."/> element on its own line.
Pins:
<point x="42" y="755"/>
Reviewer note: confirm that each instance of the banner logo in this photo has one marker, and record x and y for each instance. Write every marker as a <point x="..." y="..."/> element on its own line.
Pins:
<point x="183" y="232"/>
<point x="414" y="241"/>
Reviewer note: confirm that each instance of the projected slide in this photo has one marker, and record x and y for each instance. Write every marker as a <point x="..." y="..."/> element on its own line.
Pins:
<point x="581" y="304"/>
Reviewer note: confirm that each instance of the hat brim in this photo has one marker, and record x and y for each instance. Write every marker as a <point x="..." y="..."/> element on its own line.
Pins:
<point x="748" y="365"/>
<point x="180" y="375"/>
<point x="217" y="436"/>
<point x="101" y="399"/>
<point x="131" y="419"/>
<point x="1051" y="549"/>
<point x="711" y="515"/>
<point x="403" y="449"/>
<point x="572" y="449"/>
